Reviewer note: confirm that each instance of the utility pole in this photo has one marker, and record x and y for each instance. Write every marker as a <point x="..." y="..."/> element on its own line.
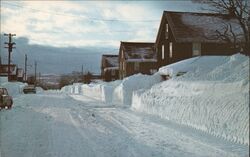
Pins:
<point x="39" y="77"/>
<point x="25" y="68"/>
<point x="9" y="47"/>
<point x="82" y="70"/>
<point x="35" y="71"/>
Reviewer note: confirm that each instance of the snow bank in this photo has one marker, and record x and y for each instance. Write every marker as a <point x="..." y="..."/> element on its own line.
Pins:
<point x="3" y="79"/>
<point x="115" y="92"/>
<point x="72" y="89"/>
<point x="39" y="90"/>
<point x="123" y="93"/>
<point x="14" y="88"/>
<point x="102" y="91"/>
<point x="212" y="96"/>
<point x="210" y="68"/>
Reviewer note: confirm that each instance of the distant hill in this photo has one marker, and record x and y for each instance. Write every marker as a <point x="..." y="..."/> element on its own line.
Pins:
<point x="53" y="60"/>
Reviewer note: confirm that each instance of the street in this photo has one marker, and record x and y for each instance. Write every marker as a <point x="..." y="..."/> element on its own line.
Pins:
<point x="54" y="124"/>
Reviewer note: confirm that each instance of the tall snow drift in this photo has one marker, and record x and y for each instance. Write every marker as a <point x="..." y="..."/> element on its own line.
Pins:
<point x="14" y="88"/>
<point x="213" y="96"/>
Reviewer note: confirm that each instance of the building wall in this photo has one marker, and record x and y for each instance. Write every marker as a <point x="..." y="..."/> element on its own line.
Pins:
<point x="121" y="62"/>
<point x="217" y="49"/>
<point x="144" y="68"/>
<point x="181" y="51"/>
<point x="164" y="41"/>
<point x="108" y="76"/>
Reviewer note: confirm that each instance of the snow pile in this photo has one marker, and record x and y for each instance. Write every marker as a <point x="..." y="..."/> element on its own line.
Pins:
<point x="72" y="89"/>
<point x="3" y="79"/>
<point x="115" y="92"/>
<point x="93" y="91"/>
<point x="212" y="96"/>
<point x="102" y="91"/>
<point x="211" y="68"/>
<point x="14" y="88"/>
<point x="66" y="89"/>
<point x="123" y="93"/>
<point x="39" y="90"/>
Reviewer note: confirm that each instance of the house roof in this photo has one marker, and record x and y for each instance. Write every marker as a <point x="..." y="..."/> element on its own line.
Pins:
<point x="139" y="51"/>
<point x="110" y="60"/>
<point x="199" y="27"/>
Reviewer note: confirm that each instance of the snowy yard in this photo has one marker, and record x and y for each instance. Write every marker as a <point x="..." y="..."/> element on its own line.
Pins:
<point x="57" y="125"/>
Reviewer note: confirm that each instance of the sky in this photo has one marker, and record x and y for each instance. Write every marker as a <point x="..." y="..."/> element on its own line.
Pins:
<point x="86" y="23"/>
<point x="64" y="35"/>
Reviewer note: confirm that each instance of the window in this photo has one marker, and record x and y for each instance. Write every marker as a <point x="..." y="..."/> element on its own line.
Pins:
<point x="162" y="52"/>
<point x="170" y="50"/>
<point x="124" y="66"/>
<point x="136" y="66"/>
<point x="166" y="33"/>
<point x="196" y="49"/>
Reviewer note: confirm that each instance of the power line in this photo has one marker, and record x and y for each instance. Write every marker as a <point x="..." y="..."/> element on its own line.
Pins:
<point x="79" y="16"/>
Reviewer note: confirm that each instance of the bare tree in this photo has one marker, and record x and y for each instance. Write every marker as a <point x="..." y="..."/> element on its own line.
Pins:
<point x="226" y="34"/>
<point x="238" y="9"/>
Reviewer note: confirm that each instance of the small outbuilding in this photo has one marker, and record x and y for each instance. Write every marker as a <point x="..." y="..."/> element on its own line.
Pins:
<point x="137" y="57"/>
<point x="109" y="67"/>
<point x="13" y="71"/>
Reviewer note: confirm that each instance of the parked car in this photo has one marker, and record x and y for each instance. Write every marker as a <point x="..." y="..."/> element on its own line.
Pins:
<point x="29" y="89"/>
<point x="5" y="99"/>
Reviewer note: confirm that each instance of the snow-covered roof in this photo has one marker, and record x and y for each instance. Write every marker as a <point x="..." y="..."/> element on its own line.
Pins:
<point x="136" y="51"/>
<point x="111" y="68"/>
<point x="110" y="60"/>
<point x="201" y="27"/>
<point x="141" y="60"/>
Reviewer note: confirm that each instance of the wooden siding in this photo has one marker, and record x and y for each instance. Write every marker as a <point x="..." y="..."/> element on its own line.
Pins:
<point x="144" y="68"/>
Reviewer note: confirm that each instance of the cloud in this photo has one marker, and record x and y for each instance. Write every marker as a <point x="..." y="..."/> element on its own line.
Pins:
<point x="77" y="23"/>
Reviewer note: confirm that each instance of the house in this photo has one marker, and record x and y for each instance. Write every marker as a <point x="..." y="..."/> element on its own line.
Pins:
<point x="20" y="74"/>
<point x="109" y="67"/>
<point x="137" y="57"/>
<point x="4" y="71"/>
<point x="182" y="35"/>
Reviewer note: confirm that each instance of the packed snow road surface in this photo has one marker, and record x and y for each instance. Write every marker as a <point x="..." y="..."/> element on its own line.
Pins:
<point x="53" y="124"/>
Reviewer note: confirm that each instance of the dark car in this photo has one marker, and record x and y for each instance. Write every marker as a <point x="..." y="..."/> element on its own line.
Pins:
<point x="5" y="99"/>
<point x="29" y="89"/>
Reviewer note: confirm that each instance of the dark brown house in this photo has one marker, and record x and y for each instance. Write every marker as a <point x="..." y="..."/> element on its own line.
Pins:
<point x="137" y="57"/>
<point x="110" y="67"/>
<point x="20" y="74"/>
<point x="13" y="71"/>
<point x="183" y="35"/>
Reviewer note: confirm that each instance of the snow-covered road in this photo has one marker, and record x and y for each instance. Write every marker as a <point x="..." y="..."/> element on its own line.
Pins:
<point x="53" y="124"/>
